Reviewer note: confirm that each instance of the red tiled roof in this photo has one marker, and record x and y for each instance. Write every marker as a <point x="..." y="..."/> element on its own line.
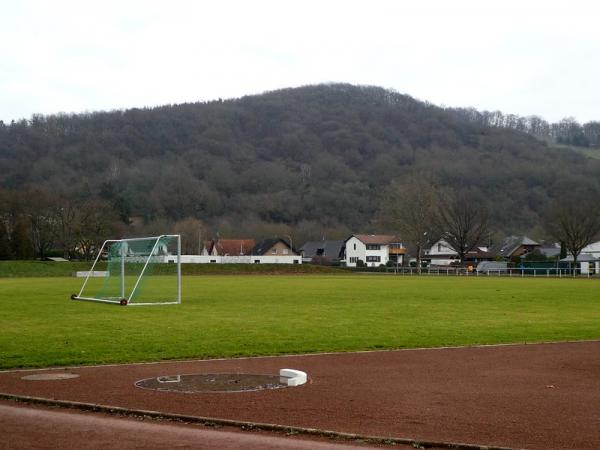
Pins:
<point x="235" y="247"/>
<point x="376" y="238"/>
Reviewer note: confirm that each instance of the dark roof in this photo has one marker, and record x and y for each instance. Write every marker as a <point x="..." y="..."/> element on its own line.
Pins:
<point x="478" y="254"/>
<point x="583" y="257"/>
<point x="329" y="249"/>
<point x="510" y="244"/>
<point x="550" y="252"/>
<point x="266" y="244"/>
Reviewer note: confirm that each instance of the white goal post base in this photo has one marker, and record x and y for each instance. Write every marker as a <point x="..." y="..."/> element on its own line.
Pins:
<point x="128" y="263"/>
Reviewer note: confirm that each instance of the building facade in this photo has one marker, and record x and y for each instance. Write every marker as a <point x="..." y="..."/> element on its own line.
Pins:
<point x="372" y="250"/>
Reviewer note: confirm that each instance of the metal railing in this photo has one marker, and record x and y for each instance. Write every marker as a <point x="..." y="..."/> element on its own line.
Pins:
<point x="558" y="272"/>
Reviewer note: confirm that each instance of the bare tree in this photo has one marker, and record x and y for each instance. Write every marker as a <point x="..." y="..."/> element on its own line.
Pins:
<point x="38" y="208"/>
<point x="65" y="213"/>
<point x="95" y="222"/>
<point x="574" y="222"/>
<point x="462" y="221"/>
<point x="192" y="233"/>
<point x="409" y="210"/>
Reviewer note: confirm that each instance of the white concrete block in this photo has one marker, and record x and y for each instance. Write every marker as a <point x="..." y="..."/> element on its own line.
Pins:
<point x="293" y="377"/>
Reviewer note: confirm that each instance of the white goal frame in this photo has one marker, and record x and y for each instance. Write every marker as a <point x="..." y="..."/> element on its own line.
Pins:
<point x="125" y="300"/>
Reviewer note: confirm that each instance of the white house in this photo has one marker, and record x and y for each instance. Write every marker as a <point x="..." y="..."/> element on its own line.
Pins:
<point x="373" y="250"/>
<point x="588" y="260"/>
<point x="441" y="254"/>
<point x="592" y="249"/>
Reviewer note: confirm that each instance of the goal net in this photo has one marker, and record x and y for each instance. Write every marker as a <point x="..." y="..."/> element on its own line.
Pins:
<point x="137" y="271"/>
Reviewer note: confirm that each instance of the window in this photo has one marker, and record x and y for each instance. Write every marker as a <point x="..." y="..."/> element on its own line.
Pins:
<point x="355" y="246"/>
<point x="273" y="251"/>
<point x="257" y="261"/>
<point x="353" y="259"/>
<point x="373" y="258"/>
<point x="439" y="248"/>
<point x="373" y="247"/>
<point x="285" y="251"/>
<point x="296" y="261"/>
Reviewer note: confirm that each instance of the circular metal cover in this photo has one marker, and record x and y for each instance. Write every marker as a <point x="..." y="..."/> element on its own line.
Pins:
<point x="50" y="376"/>
<point x="216" y="382"/>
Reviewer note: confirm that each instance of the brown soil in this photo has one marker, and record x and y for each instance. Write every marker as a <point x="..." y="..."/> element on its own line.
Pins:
<point x="544" y="396"/>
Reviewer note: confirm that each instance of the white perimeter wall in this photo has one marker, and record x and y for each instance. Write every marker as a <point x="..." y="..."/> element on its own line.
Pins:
<point x="208" y="259"/>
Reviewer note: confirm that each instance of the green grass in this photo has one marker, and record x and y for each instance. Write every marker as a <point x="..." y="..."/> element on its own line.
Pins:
<point x="13" y="269"/>
<point x="224" y="316"/>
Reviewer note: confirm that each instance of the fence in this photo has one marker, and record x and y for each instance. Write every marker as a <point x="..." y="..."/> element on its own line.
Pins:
<point x="558" y="272"/>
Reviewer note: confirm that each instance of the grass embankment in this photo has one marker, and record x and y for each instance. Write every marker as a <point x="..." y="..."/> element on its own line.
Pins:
<point x="65" y="269"/>
<point x="261" y="315"/>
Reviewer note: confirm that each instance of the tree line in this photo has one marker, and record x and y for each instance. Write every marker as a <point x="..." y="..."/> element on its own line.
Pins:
<point x="567" y="131"/>
<point x="33" y="223"/>
<point x="420" y="213"/>
<point x="311" y="162"/>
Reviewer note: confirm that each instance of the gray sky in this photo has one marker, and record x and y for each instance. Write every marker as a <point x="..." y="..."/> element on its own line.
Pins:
<point x="522" y="57"/>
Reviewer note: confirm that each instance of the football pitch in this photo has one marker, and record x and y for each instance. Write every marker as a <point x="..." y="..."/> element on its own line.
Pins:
<point x="227" y="316"/>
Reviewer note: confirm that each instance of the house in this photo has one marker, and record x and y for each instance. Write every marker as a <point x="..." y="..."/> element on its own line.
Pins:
<point x="550" y="250"/>
<point x="373" y="250"/>
<point x="442" y="254"/>
<point x="587" y="263"/>
<point x="592" y="249"/>
<point x="514" y="246"/>
<point x="245" y="251"/>
<point x="275" y="251"/>
<point x="322" y="252"/>
<point x="228" y="247"/>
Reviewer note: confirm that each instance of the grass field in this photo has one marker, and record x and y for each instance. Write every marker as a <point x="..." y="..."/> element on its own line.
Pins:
<point x="224" y="316"/>
<point x="17" y="269"/>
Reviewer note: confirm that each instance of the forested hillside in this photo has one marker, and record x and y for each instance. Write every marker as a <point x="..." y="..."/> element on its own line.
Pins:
<point x="307" y="161"/>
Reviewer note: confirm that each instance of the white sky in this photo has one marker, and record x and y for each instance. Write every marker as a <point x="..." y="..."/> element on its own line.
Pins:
<point x="523" y="57"/>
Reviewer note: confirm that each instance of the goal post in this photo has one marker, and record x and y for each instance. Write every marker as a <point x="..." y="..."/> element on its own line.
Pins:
<point x="139" y="271"/>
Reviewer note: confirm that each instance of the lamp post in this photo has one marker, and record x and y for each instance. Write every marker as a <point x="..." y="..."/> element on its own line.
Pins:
<point x="291" y="244"/>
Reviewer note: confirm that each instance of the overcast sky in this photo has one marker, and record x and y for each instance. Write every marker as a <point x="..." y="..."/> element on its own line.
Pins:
<point x="522" y="57"/>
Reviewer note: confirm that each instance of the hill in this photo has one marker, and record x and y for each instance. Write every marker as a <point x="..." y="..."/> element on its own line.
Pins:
<point x="312" y="160"/>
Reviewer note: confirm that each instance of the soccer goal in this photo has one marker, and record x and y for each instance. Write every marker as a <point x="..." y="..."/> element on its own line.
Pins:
<point x="139" y="271"/>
